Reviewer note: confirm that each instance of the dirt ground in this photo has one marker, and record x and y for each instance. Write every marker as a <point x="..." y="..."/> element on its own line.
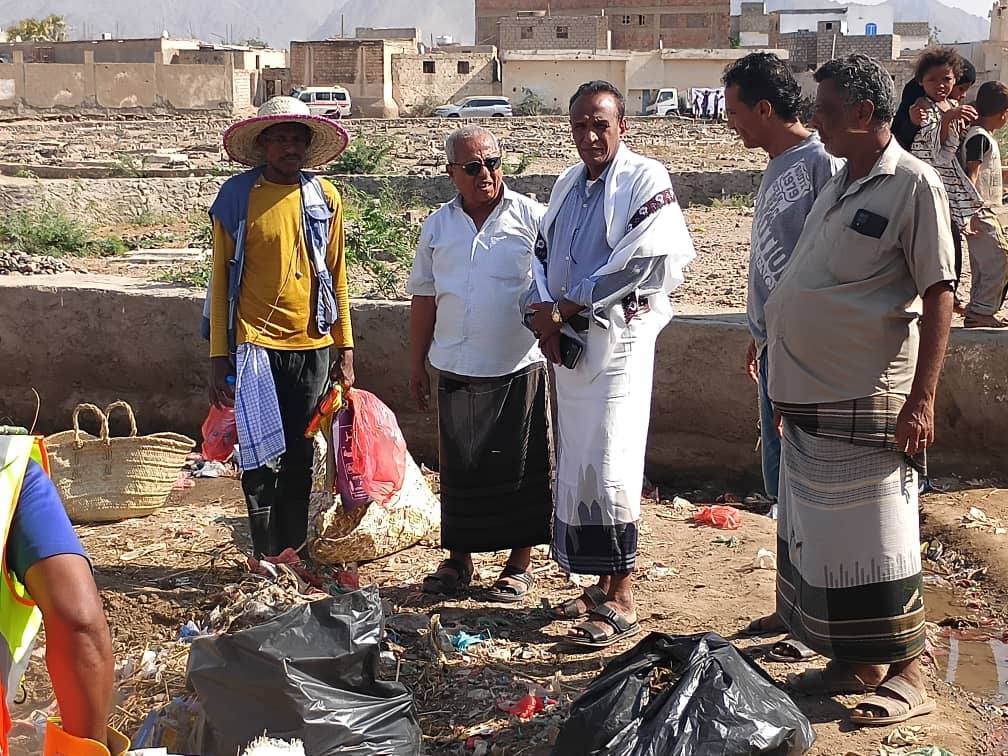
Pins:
<point x="157" y="573"/>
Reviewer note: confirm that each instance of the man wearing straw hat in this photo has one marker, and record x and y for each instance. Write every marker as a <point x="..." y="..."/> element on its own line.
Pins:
<point x="276" y="305"/>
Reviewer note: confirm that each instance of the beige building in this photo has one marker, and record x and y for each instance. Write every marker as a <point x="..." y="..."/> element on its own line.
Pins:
<point x="423" y="80"/>
<point x="554" y="75"/>
<point x="990" y="56"/>
<point x="102" y="50"/>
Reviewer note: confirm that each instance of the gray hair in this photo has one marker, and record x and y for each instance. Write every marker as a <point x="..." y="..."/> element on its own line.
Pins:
<point x="464" y="134"/>
<point x="861" y="79"/>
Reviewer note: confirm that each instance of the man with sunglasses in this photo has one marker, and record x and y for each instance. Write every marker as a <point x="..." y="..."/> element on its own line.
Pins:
<point x="472" y="267"/>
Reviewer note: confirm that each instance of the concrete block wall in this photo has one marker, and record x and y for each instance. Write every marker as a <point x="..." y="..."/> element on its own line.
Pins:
<point x="89" y="339"/>
<point x="835" y="45"/>
<point x="541" y="33"/>
<point x="40" y="87"/>
<point x="455" y="75"/>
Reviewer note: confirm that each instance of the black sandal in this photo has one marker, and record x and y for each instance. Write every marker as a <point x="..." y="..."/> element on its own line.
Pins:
<point x="512" y="586"/>
<point x="592" y="597"/>
<point x="593" y="637"/>
<point x="450" y="576"/>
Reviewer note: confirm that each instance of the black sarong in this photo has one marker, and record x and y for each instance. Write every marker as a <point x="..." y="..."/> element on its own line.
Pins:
<point x="496" y="458"/>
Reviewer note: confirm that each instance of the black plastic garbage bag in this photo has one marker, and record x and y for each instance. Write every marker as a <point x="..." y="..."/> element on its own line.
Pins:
<point x="309" y="674"/>
<point x="721" y="704"/>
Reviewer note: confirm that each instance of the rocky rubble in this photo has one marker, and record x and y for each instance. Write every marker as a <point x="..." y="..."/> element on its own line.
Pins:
<point x="14" y="261"/>
<point x="418" y="144"/>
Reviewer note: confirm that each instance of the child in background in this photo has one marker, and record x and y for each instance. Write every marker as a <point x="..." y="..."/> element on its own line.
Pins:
<point x="988" y="246"/>
<point x="937" y="142"/>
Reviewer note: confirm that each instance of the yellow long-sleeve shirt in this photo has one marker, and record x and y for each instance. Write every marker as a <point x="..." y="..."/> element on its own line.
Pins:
<point x="278" y="290"/>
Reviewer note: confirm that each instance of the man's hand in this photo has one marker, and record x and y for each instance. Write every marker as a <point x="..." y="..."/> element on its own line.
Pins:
<point x="542" y="322"/>
<point x="778" y="423"/>
<point x="751" y="362"/>
<point x="419" y="387"/>
<point x="550" y="347"/>
<point x="342" y="369"/>
<point x="221" y="392"/>
<point x="915" y="424"/>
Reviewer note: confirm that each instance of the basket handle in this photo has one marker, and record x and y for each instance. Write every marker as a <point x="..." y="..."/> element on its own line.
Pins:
<point x="129" y="413"/>
<point x="103" y="433"/>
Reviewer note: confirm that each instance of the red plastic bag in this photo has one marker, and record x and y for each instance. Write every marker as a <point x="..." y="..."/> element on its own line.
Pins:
<point x="220" y="434"/>
<point x="726" y="518"/>
<point x="379" y="449"/>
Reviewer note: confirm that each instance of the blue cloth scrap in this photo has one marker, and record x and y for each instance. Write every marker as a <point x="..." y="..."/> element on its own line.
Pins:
<point x="463" y="641"/>
<point x="40" y="528"/>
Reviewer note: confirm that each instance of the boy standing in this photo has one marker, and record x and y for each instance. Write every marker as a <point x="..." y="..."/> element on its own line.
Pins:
<point x="988" y="246"/>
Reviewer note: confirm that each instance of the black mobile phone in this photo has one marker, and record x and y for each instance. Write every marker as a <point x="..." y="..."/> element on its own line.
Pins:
<point x="570" y="351"/>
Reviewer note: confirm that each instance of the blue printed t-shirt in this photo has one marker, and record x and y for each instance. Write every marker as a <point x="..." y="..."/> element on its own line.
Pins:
<point x="40" y="528"/>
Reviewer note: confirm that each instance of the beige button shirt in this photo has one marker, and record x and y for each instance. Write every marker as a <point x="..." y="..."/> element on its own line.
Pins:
<point x="842" y="321"/>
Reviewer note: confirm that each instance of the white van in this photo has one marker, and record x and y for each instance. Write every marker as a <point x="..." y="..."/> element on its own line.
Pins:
<point x="332" y="102"/>
<point x="666" y="103"/>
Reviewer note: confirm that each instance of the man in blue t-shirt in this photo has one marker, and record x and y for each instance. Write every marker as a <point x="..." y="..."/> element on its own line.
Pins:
<point x="45" y="555"/>
<point x="763" y="104"/>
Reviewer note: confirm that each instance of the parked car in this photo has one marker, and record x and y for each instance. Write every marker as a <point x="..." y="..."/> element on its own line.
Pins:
<point x="476" y="107"/>
<point x="332" y="102"/>
<point x="666" y="103"/>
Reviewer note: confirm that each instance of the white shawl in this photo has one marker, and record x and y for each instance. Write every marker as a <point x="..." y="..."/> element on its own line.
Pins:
<point x="636" y="187"/>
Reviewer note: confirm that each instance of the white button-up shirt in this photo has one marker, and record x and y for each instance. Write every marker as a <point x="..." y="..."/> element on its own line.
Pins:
<point x="477" y="278"/>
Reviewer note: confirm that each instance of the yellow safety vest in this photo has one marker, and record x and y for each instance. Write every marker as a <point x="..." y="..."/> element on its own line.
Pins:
<point x="20" y="619"/>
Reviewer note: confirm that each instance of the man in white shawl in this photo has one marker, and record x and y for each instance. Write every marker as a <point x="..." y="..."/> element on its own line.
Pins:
<point x="611" y="248"/>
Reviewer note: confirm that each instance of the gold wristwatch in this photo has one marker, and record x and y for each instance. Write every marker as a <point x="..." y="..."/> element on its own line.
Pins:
<point x="557" y="317"/>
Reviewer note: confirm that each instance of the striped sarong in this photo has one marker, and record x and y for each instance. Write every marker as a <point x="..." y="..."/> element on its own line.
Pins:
<point x="849" y="565"/>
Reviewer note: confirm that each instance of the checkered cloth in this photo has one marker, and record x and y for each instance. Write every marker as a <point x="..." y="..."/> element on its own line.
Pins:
<point x="257" y="410"/>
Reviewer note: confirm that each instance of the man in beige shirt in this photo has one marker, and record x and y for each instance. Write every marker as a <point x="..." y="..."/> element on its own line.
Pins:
<point x="857" y="329"/>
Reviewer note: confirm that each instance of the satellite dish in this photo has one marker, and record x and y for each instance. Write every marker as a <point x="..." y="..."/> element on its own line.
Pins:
<point x="165" y="34"/>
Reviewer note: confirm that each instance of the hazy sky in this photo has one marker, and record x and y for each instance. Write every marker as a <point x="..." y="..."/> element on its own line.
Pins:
<point x="977" y="7"/>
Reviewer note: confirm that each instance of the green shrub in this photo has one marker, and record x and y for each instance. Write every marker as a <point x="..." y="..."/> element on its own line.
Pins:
<point x="362" y="156"/>
<point x="381" y="235"/>
<point x="518" y="168"/>
<point x="49" y="232"/>
<point x="194" y="275"/>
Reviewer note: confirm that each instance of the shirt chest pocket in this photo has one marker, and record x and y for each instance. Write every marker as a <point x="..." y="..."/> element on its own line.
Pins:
<point x="507" y="264"/>
<point x="862" y="248"/>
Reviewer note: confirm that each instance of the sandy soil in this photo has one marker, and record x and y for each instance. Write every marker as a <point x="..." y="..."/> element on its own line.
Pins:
<point x="159" y="572"/>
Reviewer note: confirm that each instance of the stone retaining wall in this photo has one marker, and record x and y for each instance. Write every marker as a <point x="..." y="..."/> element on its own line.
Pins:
<point x="86" y="338"/>
<point x="109" y="201"/>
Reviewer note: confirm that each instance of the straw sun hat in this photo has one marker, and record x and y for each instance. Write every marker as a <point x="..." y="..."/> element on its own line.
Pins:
<point x="328" y="139"/>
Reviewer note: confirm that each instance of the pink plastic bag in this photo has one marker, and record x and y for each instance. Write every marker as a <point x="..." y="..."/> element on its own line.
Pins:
<point x="220" y="434"/>
<point x="349" y="483"/>
<point x="379" y="449"/>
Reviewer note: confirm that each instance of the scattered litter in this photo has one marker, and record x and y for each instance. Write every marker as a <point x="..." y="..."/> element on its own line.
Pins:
<point x="408" y="622"/>
<point x="191" y="630"/>
<point x="129" y="556"/>
<point x="184" y="482"/>
<point x="582" y="581"/>
<point x="977" y="518"/>
<point x="727" y="498"/>
<point x="765" y="560"/>
<point x="726" y="518"/>
<point x="527" y="706"/>
<point x="463" y="641"/>
<point x="265" y="746"/>
<point x="905" y="736"/>
<point x="658" y="572"/>
<point x="213" y="469"/>
<point x="440" y="642"/>
<point x="730" y="541"/>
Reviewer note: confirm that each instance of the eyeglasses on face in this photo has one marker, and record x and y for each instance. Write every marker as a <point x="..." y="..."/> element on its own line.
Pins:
<point x="473" y="167"/>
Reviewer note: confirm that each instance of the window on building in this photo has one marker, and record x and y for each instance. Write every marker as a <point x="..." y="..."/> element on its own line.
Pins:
<point x="563" y="32"/>
<point x="697" y="21"/>
<point x="463" y="66"/>
<point x="871" y="30"/>
<point x="641" y="20"/>
<point x="829" y="26"/>
<point x="526" y="32"/>
<point x="428" y="66"/>
<point x="626" y="20"/>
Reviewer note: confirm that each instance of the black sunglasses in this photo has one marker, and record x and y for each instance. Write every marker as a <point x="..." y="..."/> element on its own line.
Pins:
<point x="473" y="167"/>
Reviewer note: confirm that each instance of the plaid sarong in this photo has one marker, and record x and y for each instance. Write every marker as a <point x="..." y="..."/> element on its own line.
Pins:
<point x="257" y="409"/>
<point x="870" y="421"/>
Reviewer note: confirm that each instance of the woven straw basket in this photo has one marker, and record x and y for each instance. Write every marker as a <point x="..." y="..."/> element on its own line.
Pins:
<point x="104" y="479"/>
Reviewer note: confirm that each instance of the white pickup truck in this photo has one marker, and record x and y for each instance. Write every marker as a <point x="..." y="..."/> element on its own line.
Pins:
<point x="666" y="103"/>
